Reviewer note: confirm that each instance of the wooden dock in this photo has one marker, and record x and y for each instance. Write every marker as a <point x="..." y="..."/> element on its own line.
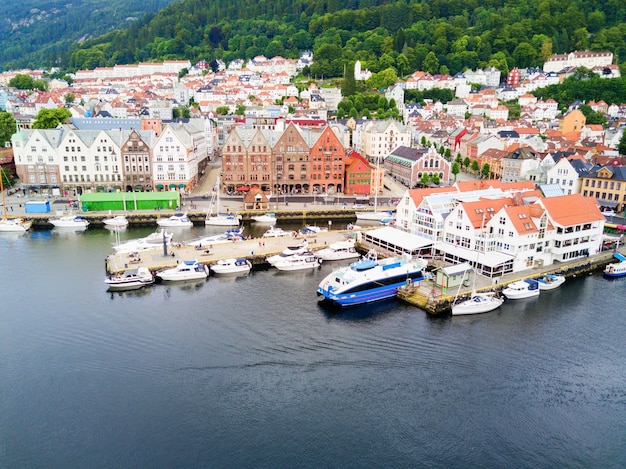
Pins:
<point x="255" y="250"/>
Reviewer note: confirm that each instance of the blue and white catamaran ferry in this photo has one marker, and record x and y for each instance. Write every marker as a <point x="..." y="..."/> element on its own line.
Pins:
<point x="370" y="279"/>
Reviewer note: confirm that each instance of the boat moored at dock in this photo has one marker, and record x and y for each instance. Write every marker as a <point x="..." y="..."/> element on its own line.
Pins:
<point x="268" y="217"/>
<point x="133" y="279"/>
<point x="117" y="221"/>
<point x="231" y="266"/>
<point x="370" y="279"/>
<point x="477" y="303"/>
<point x="616" y="269"/>
<point x="302" y="261"/>
<point x="178" y="220"/>
<point x="187" y="270"/>
<point x="339" y="251"/>
<point x="550" y="281"/>
<point x="75" y="222"/>
<point x="521" y="289"/>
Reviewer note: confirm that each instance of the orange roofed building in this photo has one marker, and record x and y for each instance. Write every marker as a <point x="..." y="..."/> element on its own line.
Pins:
<point x="502" y="228"/>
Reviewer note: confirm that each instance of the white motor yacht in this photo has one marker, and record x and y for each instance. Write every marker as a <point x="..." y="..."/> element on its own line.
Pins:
<point x="187" y="270"/>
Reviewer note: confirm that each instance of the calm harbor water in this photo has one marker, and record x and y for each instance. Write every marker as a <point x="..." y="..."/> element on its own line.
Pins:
<point x="253" y="372"/>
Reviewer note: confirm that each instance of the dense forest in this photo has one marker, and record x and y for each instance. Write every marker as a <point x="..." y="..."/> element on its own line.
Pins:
<point x="36" y="33"/>
<point x="433" y="35"/>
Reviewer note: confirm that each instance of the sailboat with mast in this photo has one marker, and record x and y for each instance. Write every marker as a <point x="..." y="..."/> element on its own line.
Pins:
<point x="376" y="215"/>
<point x="220" y="218"/>
<point x="10" y="225"/>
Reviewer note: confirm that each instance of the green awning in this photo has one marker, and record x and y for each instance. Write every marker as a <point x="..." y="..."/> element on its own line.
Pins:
<point x="172" y="186"/>
<point x="117" y="188"/>
<point x="100" y="188"/>
<point x="181" y="186"/>
<point x="138" y="188"/>
<point x="159" y="186"/>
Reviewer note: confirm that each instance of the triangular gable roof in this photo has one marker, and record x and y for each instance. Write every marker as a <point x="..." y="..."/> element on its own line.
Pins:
<point x="486" y="208"/>
<point x="572" y="209"/>
<point x="521" y="217"/>
<point x="418" y="195"/>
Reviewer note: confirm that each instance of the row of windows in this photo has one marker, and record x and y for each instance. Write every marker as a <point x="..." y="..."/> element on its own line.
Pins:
<point x="604" y="195"/>
<point x="602" y="184"/>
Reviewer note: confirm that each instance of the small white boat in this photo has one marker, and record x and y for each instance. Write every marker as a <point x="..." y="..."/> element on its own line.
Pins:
<point x="550" y="281"/>
<point x="478" y="303"/>
<point x="520" y="289"/>
<point x="339" y="251"/>
<point x="187" y="270"/>
<point x="278" y="233"/>
<point x="268" y="217"/>
<point x="616" y="269"/>
<point x="228" y="236"/>
<point x="222" y="219"/>
<point x="312" y="229"/>
<point x="152" y="241"/>
<point x="75" y="222"/>
<point x="133" y="279"/>
<point x="288" y="252"/>
<point x="374" y="216"/>
<point x="303" y="261"/>
<point x="14" y="225"/>
<point x="231" y="266"/>
<point x="117" y="221"/>
<point x="176" y="220"/>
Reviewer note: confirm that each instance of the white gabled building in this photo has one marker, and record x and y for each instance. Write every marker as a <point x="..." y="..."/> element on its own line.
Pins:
<point x="502" y="229"/>
<point x="177" y="154"/>
<point x="376" y="139"/>
<point x="578" y="226"/>
<point x="37" y="161"/>
<point x="566" y="174"/>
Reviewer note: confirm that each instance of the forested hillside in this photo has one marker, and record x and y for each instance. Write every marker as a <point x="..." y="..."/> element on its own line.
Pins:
<point x="36" y="33"/>
<point x="432" y="35"/>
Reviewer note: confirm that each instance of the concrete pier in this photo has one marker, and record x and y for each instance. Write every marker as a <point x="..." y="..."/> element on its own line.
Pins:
<point x="255" y="250"/>
<point x="428" y="296"/>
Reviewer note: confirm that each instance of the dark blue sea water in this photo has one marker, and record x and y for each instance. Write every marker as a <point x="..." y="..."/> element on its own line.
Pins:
<point x="253" y="372"/>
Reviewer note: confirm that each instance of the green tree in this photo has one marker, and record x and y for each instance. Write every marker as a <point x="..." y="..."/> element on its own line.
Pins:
<point x="447" y="154"/>
<point x="240" y="109"/>
<point x="7" y="127"/>
<point x="456" y="169"/>
<point x="348" y="85"/>
<point x="435" y="178"/>
<point x="485" y="171"/>
<point x="7" y="178"/>
<point x="181" y="112"/>
<point x="40" y="85"/>
<point x="466" y="163"/>
<point x="592" y="117"/>
<point x="51" y="118"/>
<point x="21" y="82"/>
<point x="621" y="147"/>
<point x="221" y="110"/>
<point x="475" y="167"/>
<point x="425" y="179"/>
<point x="69" y="98"/>
<point x="431" y="63"/>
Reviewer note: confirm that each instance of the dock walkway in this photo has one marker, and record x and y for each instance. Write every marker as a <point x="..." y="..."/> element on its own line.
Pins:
<point x="255" y="250"/>
<point x="431" y="298"/>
